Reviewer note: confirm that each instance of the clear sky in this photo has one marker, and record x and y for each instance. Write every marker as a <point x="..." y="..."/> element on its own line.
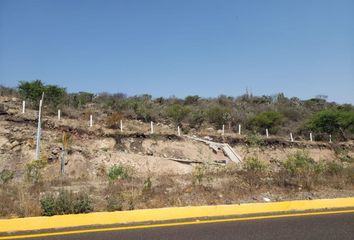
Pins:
<point x="162" y="47"/>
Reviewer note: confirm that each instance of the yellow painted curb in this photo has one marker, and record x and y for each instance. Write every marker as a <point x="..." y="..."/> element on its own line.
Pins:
<point x="164" y="214"/>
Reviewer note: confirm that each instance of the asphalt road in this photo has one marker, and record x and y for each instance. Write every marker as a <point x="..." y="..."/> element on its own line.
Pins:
<point x="322" y="227"/>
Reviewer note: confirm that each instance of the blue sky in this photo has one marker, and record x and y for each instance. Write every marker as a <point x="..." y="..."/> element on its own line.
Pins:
<point x="301" y="48"/>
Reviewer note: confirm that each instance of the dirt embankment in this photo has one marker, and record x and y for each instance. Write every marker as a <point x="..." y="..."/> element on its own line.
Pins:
<point x="155" y="179"/>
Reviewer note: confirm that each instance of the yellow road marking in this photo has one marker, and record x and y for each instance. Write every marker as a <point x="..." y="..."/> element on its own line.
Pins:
<point x="172" y="224"/>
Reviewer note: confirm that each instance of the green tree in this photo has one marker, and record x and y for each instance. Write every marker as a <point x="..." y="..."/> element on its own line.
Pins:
<point x="332" y="122"/>
<point x="271" y="120"/>
<point x="31" y="91"/>
<point x="54" y="95"/>
<point x="177" y="113"/>
<point x="218" y="115"/>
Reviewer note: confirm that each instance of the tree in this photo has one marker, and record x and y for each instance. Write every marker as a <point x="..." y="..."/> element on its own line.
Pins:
<point x="332" y="122"/>
<point x="31" y="91"/>
<point x="54" y="96"/>
<point x="271" y="120"/>
<point x="177" y="113"/>
<point x="219" y="115"/>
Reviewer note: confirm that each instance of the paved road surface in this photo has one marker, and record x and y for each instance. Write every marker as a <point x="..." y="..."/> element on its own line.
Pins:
<point x="322" y="227"/>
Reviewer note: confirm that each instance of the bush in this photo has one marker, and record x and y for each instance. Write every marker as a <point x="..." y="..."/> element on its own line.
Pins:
<point x="302" y="170"/>
<point x="33" y="170"/>
<point x="299" y="164"/>
<point x="334" y="168"/>
<point x="114" y="203"/>
<point x="6" y="176"/>
<point x="118" y="172"/>
<point x="254" y="171"/>
<point x="199" y="174"/>
<point x="218" y="116"/>
<point x="66" y="203"/>
<point x="196" y="119"/>
<point x="271" y="120"/>
<point x="32" y="91"/>
<point x="113" y="121"/>
<point x="337" y="123"/>
<point x="147" y="185"/>
<point x="177" y="113"/>
<point x="255" y="166"/>
<point x="48" y="205"/>
<point x="190" y="100"/>
<point x="82" y="203"/>
<point x="253" y="140"/>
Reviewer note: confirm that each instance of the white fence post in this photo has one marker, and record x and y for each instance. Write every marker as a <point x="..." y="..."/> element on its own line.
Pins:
<point x="121" y="125"/>
<point x="178" y="131"/>
<point x="267" y="133"/>
<point x="239" y="129"/>
<point x="91" y="121"/>
<point x="311" y="136"/>
<point x="152" y="127"/>
<point x="291" y="137"/>
<point x="330" y="138"/>
<point x="23" y="106"/>
<point x="223" y="130"/>
<point x="59" y="113"/>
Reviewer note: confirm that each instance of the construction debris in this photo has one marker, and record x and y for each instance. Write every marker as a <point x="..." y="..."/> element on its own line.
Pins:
<point x="226" y="148"/>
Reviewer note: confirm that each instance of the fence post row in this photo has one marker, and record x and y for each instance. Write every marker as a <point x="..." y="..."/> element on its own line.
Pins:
<point x="178" y="127"/>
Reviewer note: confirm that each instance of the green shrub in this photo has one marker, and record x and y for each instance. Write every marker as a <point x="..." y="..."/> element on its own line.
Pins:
<point x="33" y="170"/>
<point x="335" y="122"/>
<point x="253" y="140"/>
<point x="199" y="174"/>
<point x="6" y="176"/>
<point x="48" y="205"/>
<point x="82" y="203"/>
<point x="254" y="165"/>
<point x="334" y="168"/>
<point x="299" y="164"/>
<point x="196" y="119"/>
<point x="189" y="100"/>
<point x="147" y="185"/>
<point x="118" y="172"/>
<point x="177" y="113"/>
<point x="271" y="120"/>
<point x="66" y="202"/>
<point x="33" y="90"/>
<point x="302" y="170"/>
<point x="218" y="116"/>
<point x="114" y="203"/>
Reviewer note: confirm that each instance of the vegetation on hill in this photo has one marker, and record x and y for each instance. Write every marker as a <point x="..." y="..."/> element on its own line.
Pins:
<point x="278" y="113"/>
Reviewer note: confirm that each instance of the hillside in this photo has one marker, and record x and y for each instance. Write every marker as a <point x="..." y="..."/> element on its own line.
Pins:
<point x="107" y="168"/>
